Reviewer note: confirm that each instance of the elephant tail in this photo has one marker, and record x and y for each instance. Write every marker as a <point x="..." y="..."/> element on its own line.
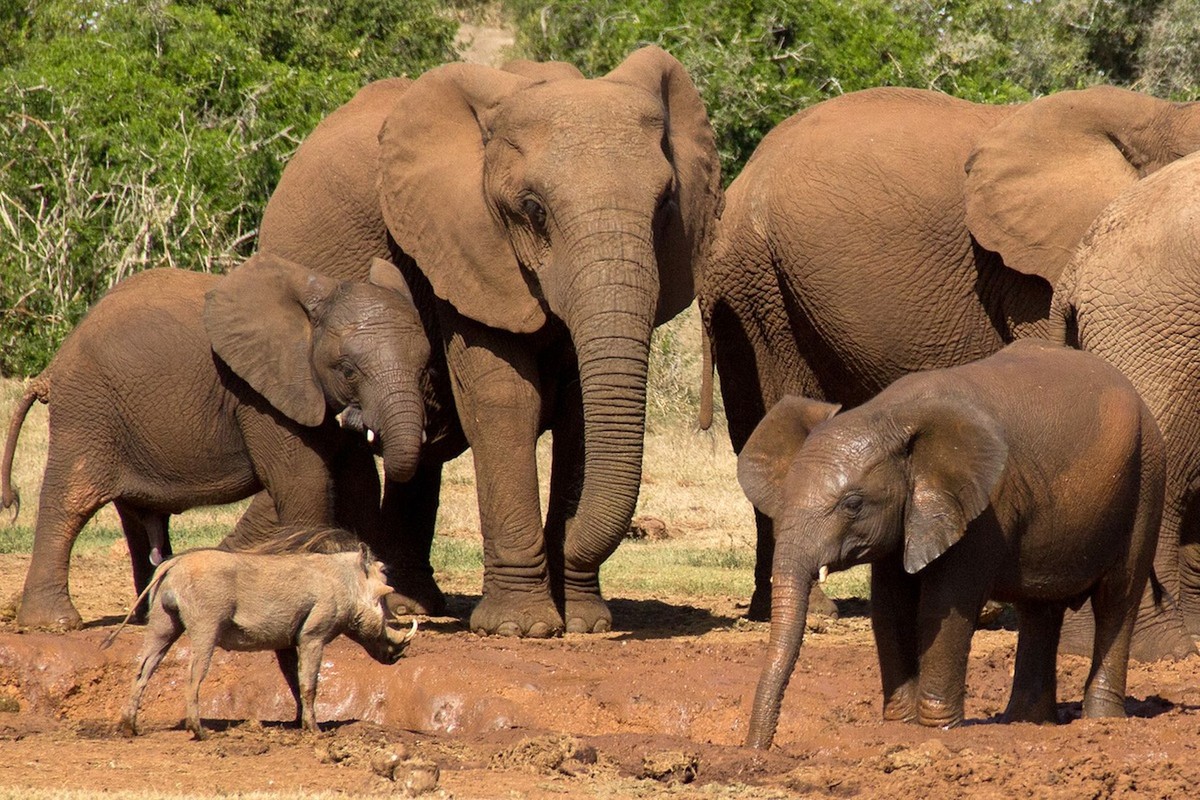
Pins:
<point x="1064" y="322"/>
<point x="9" y="497"/>
<point x="706" y="380"/>
<point x="159" y="574"/>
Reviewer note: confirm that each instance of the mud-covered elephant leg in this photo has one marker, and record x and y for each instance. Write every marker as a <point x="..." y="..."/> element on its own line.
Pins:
<point x="409" y="516"/>
<point x="67" y="503"/>
<point x="1034" y="686"/>
<point x="497" y="392"/>
<point x="148" y="538"/>
<point x="577" y="594"/>
<point x="258" y="524"/>
<point x="895" y="596"/>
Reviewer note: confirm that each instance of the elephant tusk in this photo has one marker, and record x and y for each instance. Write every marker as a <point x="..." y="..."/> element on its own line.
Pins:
<point x="370" y="436"/>
<point x="822" y="574"/>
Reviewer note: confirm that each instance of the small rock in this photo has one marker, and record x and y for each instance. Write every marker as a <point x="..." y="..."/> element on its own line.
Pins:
<point x="384" y="763"/>
<point x="9" y="705"/>
<point x="417" y="776"/>
<point x="649" y="529"/>
<point x="671" y="767"/>
<point x="333" y="753"/>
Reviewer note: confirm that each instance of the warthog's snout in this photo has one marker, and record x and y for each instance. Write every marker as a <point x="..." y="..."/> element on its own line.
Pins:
<point x="396" y="642"/>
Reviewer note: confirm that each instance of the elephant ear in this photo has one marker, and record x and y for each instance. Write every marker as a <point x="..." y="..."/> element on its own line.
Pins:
<point x="692" y="217"/>
<point x="431" y="191"/>
<point x="764" y="462"/>
<point x="387" y="275"/>
<point x="543" y="71"/>
<point x="957" y="455"/>
<point x="1037" y="180"/>
<point x="258" y="318"/>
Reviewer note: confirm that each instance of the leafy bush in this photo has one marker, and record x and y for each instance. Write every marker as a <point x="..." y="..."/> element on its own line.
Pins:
<point x="147" y="133"/>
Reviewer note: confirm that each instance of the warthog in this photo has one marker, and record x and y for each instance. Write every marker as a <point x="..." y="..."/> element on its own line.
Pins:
<point x="292" y="603"/>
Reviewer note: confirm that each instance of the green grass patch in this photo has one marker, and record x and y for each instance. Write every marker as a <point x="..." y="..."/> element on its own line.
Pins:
<point x="19" y="538"/>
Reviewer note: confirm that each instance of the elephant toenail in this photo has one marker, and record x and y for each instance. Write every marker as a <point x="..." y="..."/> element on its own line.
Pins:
<point x="508" y="629"/>
<point x="602" y="626"/>
<point x="576" y="625"/>
<point x="539" y="630"/>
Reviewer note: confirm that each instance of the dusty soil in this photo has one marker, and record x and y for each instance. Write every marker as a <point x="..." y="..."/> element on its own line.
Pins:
<point x="658" y="706"/>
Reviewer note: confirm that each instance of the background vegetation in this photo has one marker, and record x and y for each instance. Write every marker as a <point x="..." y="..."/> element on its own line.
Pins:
<point x="140" y="133"/>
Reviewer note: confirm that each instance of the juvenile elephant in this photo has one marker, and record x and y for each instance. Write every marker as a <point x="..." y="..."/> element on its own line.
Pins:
<point x="546" y="222"/>
<point x="180" y="389"/>
<point x="893" y="230"/>
<point x="1130" y="295"/>
<point x="1033" y="476"/>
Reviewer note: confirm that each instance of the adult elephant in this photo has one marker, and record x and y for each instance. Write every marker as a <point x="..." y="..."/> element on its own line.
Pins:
<point x="546" y="223"/>
<point x="894" y="230"/>
<point x="1130" y="294"/>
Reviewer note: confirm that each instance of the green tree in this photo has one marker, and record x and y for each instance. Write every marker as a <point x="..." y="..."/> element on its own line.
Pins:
<point x="142" y="133"/>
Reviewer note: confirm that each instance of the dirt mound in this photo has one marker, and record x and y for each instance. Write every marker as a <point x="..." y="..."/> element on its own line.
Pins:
<point x="612" y="715"/>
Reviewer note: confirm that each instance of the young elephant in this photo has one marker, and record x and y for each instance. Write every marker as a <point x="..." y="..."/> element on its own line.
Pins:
<point x="1033" y="476"/>
<point x="180" y="389"/>
<point x="292" y="603"/>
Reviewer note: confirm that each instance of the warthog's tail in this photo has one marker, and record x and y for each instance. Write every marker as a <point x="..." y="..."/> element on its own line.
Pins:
<point x="9" y="497"/>
<point x="159" y="574"/>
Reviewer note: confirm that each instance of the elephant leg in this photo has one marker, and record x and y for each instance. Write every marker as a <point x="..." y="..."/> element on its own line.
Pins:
<point x="409" y="516"/>
<point x="895" y="597"/>
<point x="68" y="500"/>
<point x="575" y="587"/>
<point x="1188" y="561"/>
<point x="1115" y="608"/>
<point x="356" y="494"/>
<point x="497" y="392"/>
<point x="1034" y="689"/>
<point x="289" y="665"/>
<point x="953" y="591"/>
<point x="146" y="535"/>
<point x="258" y="524"/>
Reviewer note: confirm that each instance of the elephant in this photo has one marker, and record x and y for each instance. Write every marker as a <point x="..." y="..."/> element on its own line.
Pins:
<point x="1130" y="295"/>
<point x="1034" y="476"/>
<point x="181" y="389"/>
<point x="547" y="222"/>
<point x="892" y="230"/>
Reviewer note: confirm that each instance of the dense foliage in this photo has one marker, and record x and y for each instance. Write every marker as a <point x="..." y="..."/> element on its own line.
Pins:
<point x="138" y="133"/>
<point x="758" y="61"/>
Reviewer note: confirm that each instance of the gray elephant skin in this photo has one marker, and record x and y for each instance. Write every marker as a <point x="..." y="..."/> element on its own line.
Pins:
<point x="1033" y="476"/>
<point x="893" y="230"/>
<point x="546" y="223"/>
<point x="180" y="389"/>
<point x="1130" y="295"/>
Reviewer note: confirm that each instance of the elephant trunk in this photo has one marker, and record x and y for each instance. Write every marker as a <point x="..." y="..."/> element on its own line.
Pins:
<point x="610" y="320"/>
<point x="400" y="426"/>
<point x="789" y="608"/>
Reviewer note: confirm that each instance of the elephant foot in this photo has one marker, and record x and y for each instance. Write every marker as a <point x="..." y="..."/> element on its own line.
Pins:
<point x="934" y="713"/>
<point x="1159" y="634"/>
<point x="900" y="707"/>
<point x="415" y="594"/>
<point x="514" y="615"/>
<point x="57" y="615"/>
<point x="1037" y="709"/>
<point x="588" y="615"/>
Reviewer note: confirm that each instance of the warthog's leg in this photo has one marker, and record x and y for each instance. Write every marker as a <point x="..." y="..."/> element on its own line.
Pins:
<point x="289" y="664"/>
<point x="162" y="631"/>
<point x="309" y="656"/>
<point x="204" y="641"/>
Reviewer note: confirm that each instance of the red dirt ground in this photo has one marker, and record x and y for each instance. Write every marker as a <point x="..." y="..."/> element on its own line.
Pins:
<point x="635" y="713"/>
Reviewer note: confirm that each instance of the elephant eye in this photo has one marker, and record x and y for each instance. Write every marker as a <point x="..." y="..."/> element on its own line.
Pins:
<point x="534" y="211"/>
<point x="348" y="370"/>
<point x="852" y="504"/>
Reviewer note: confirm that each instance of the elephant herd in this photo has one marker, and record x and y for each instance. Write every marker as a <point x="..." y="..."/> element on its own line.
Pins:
<point x="524" y="229"/>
